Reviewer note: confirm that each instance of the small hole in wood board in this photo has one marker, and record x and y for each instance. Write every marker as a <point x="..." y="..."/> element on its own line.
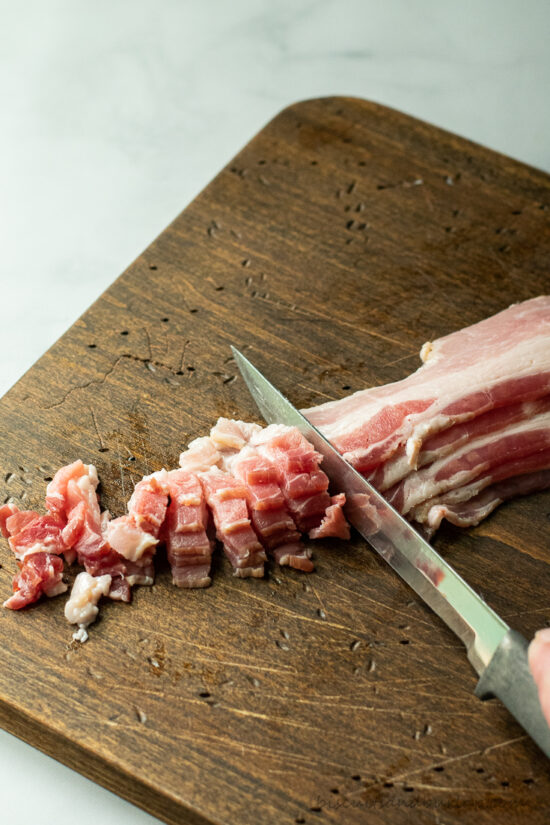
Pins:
<point x="92" y="346"/>
<point x="334" y="790"/>
<point x="408" y="788"/>
<point x="356" y="777"/>
<point x="220" y="288"/>
<point x="153" y="266"/>
<point x="204" y="694"/>
<point x="528" y="781"/>
<point x="103" y="449"/>
<point x="124" y="332"/>
<point x="505" y="784"/>
<point x="439" y="768"/>
<point x="193" y="311"/>
<point x="313" y="162"/>
<point x="403" y="641"/>
<point x="165" y="320"/>
<point x="388" y="784"/>
<point x="316" y="809"/>
<point x="48" y="478"/>
<point x="346" y="387"/>
<point x="299" y="820"/>
<point x="190" y="369"/>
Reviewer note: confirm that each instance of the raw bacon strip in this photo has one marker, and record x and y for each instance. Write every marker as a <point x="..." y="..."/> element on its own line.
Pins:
<point x="425" y="513"/>
<point x="39" y="573"/>
<point x="188" y="547"/>
<point x="501" y="360"/>
<point x="227" y="498"/>
<point x="473" y="509"/>
<point x="467" y="463"/>
<point x="445" y="442"/>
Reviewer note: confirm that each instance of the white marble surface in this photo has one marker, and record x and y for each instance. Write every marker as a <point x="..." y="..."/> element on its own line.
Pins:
<point x="115" y="113"/>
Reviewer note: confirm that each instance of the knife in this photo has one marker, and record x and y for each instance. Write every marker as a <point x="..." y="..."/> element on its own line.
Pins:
<point x="497" y="653"/>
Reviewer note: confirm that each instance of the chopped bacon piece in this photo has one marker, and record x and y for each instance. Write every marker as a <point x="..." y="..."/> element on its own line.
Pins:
<point x="29" y="532"/>
<point x="268" y="511"/>
<point x="6" y="511"/>
<point x="39" y="573"/>
<point x="304" y="485"/>
<point x="334" y="522"/>
<point x="188" y="547"/>
<point x="227" y="498"/>
<point x="81" y="607"/>
<point x="149" y="501"/>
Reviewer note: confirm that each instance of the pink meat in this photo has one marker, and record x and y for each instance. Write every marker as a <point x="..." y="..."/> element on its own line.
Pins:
<point x="446" y="441"/>
<point x="39" y="573"/>
<point x="501" y="360"/>
<point x="303" y="484"/>
<point x="188" y="547"/>
<point x="474" y="508"/>
<point x="334" y="522"/>
<point x="6" y="511"/>
<point x="227" y="499"/>
<point x="268" y="512"/>
<point x="429" y="513"/>
<point x="539" y="663"/>
<point x="149" y="501"/>
<point x="471" y="460"/>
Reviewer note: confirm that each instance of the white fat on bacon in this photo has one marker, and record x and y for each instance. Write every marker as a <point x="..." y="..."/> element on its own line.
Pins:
<point x="81" y="607"/>
<point x="128" y="539"/>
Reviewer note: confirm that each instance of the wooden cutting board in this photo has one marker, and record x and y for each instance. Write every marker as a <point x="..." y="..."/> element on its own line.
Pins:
<point x="337" y="242"/>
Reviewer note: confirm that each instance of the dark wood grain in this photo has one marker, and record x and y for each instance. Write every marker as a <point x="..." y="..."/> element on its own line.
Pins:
<point x="338" y="241"/>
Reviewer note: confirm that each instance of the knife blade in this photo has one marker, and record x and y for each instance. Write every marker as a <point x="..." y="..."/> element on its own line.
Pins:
<point x="497" y="653"/>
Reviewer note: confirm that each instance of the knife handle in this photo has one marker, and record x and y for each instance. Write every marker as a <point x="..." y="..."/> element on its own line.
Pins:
<point x="508" y="677"/>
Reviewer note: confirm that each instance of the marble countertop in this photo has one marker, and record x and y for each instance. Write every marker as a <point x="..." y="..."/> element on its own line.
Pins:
<point x="115" y="115"/>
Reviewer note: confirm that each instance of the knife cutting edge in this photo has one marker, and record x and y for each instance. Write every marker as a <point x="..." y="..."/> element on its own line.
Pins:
<point x="498" y="653"/>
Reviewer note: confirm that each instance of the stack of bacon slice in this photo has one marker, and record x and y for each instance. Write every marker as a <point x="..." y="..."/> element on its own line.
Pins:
<point x="469" y="429"/>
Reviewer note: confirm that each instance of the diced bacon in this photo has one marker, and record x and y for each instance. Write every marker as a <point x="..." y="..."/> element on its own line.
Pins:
<point x="226" y="498"/>
<point x="501" y="360"/>
<point x="81" y="607"/>
<point x="32" y="533"/>
<point x="188" y="547"/>
<point x="228" y="434"/>
<point x="268" y="512"/>
<point x="334" y="522"/>
<point x="129" y="540"/>
<point x="302" y="482"/>
<point x="200" y="456"/>
<point x="6" y="511"/>
<point x="39" y="573"/>
<point x="149" y="501"/>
